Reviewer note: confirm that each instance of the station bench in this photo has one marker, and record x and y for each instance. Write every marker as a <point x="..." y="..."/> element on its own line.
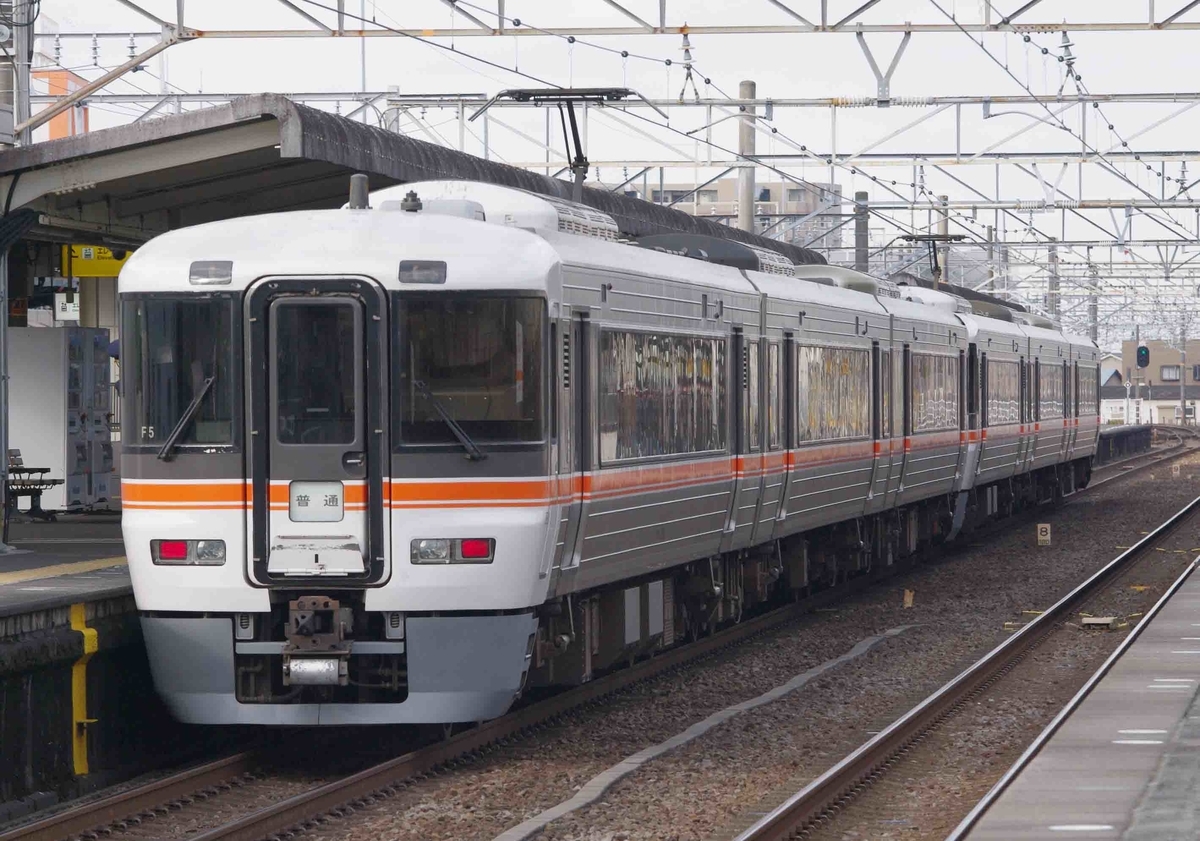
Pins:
<point x="30" y="482"/>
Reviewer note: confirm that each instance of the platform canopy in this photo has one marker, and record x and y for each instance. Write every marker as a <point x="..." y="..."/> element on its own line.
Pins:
<point x="259" y="154"/>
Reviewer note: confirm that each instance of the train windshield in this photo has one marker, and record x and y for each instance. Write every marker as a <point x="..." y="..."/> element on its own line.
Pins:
<point x="171" y="347"/>
<point x="478" y="359"/>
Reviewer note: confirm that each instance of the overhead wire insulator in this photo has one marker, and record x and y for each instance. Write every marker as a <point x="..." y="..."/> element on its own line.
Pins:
<point x="686" y="47"/>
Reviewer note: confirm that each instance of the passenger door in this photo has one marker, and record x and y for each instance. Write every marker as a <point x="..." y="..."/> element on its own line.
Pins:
<point x="774" y="443"/>
<point x="748" y="458"/>
<point x="573" y="424"/>
<point x="881" y="406"/>
<point x="317" y="391"/>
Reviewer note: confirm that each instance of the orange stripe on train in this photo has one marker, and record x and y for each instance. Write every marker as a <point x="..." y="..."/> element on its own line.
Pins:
<point x="133" y="491"/>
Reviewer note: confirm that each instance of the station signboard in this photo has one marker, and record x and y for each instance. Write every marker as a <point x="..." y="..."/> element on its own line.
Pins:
<point x="92" y="261"/>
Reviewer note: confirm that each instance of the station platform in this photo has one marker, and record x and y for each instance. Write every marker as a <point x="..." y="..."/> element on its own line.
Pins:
<point x="72" y="663"/>
<point x="1126" y="763"/>
<point x="80" y="558"/>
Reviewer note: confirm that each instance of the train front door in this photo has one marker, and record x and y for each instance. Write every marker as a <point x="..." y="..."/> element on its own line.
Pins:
<point x="318" y="457"/>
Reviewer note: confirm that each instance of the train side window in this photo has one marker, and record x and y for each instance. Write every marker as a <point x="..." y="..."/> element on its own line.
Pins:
<point x="661" y="395"/>
<point x="753" y="432"/>
<point x="906" y="389"/>
<point x="833" y="393"/>
<point x="885" y="394"/>
<point x="1075" y="390"/>
<point x="1087" y="391"/>
<point x="876" y="399"/>
<point x="1036" y="396"/>
<point x="1004" y="386"/>
<point x="934" y="392"/>
<point x="1068" y="390"/>
<point x="774" y="398"/>
<point x="1050" y="392"/>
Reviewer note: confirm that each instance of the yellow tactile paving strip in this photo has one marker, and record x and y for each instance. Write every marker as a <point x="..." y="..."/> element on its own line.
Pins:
<point x="55" y="570"/>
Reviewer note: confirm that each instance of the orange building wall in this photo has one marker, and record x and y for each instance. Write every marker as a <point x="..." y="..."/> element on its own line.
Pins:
<point x="73" y="121"/>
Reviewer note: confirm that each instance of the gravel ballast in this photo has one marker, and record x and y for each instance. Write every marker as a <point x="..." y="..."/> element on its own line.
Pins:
<point x="707" y="787"/>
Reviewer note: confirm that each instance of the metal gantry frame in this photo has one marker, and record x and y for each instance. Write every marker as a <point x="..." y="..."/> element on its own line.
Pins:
<point x="1061" y="234"/>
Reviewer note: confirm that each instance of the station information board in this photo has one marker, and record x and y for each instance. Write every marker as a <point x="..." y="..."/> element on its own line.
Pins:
<point x="92" y="261"/>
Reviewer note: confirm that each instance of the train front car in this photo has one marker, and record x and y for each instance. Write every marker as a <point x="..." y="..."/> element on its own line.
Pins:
<point x="313" y="401"/>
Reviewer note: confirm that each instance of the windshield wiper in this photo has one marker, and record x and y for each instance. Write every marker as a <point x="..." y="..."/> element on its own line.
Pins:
<point x="473" y="451"/>
<point x="169" y="445"/>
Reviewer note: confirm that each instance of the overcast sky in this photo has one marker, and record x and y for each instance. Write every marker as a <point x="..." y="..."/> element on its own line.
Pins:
<point x="793" y="65"/>
<point x="783" y="65"/>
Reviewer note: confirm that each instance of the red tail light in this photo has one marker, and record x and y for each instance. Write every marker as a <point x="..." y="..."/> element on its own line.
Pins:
<point x="173" y="550"/>
<point x="474" y="547"/>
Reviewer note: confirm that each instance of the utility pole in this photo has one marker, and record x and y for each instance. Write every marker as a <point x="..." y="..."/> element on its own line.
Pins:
<point x="23" y="55"/>
<point x="1052" y="283"/>
<point x="362" y="54"/>
<point x="991" y="249"/>
<point x="861" y="258"/>
<point x="1137" y="342"/>
<point x="944" y="231"/>
<point x="1093" y="301"/>
<point x="1182" y="365"/>
<point x="746" y="131"/>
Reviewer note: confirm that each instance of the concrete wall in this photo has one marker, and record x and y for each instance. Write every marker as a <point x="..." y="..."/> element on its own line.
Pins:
<point x="132" y="729"/>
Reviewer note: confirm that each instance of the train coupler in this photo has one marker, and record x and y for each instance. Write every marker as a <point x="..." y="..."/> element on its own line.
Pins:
<point x="317" y="652"/>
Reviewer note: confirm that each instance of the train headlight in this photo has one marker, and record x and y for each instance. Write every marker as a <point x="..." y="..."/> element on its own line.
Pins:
<point x="187" y="552"/>
<point x="469" y="550"/>
<point x="431" y="551"/>
<point x="210" y="551"/>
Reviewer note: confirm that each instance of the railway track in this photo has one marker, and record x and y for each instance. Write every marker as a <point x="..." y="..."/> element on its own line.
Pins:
<point x="1184" y="440"/>
<point x="963" y="830"/>
<point x="233" y="779"/>
<point x="834" y="792"/>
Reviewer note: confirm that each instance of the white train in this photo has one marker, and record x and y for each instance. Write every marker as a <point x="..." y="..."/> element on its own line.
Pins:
<point x="394" y="465"/>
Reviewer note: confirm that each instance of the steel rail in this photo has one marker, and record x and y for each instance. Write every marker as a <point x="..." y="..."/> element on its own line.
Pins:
<point x="1122" y="467"/>
<point x="832" y="791"/>
<point x="157" y="795"/>
<point x="391" y="774"/>
<point x="146" y="798"/>
<point x="960" y="832"/>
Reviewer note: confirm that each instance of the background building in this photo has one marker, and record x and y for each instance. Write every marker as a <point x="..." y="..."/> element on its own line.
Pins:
<point x="1152" y="394"/>
<point x="797" y="214"/>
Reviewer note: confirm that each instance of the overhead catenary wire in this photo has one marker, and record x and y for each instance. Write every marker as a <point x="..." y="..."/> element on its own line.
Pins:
<point x="817" y="188"/>
<point x="931" y="199"/>
<point x="1105" y="164"/>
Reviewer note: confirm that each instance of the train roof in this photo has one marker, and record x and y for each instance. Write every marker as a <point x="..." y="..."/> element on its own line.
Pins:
<point x="341" y="242"/>
<point x="518" y="244"/>
<point x="611" y="256"/>
<point x="795" y="289"/>
<point x="979" y="323"/>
